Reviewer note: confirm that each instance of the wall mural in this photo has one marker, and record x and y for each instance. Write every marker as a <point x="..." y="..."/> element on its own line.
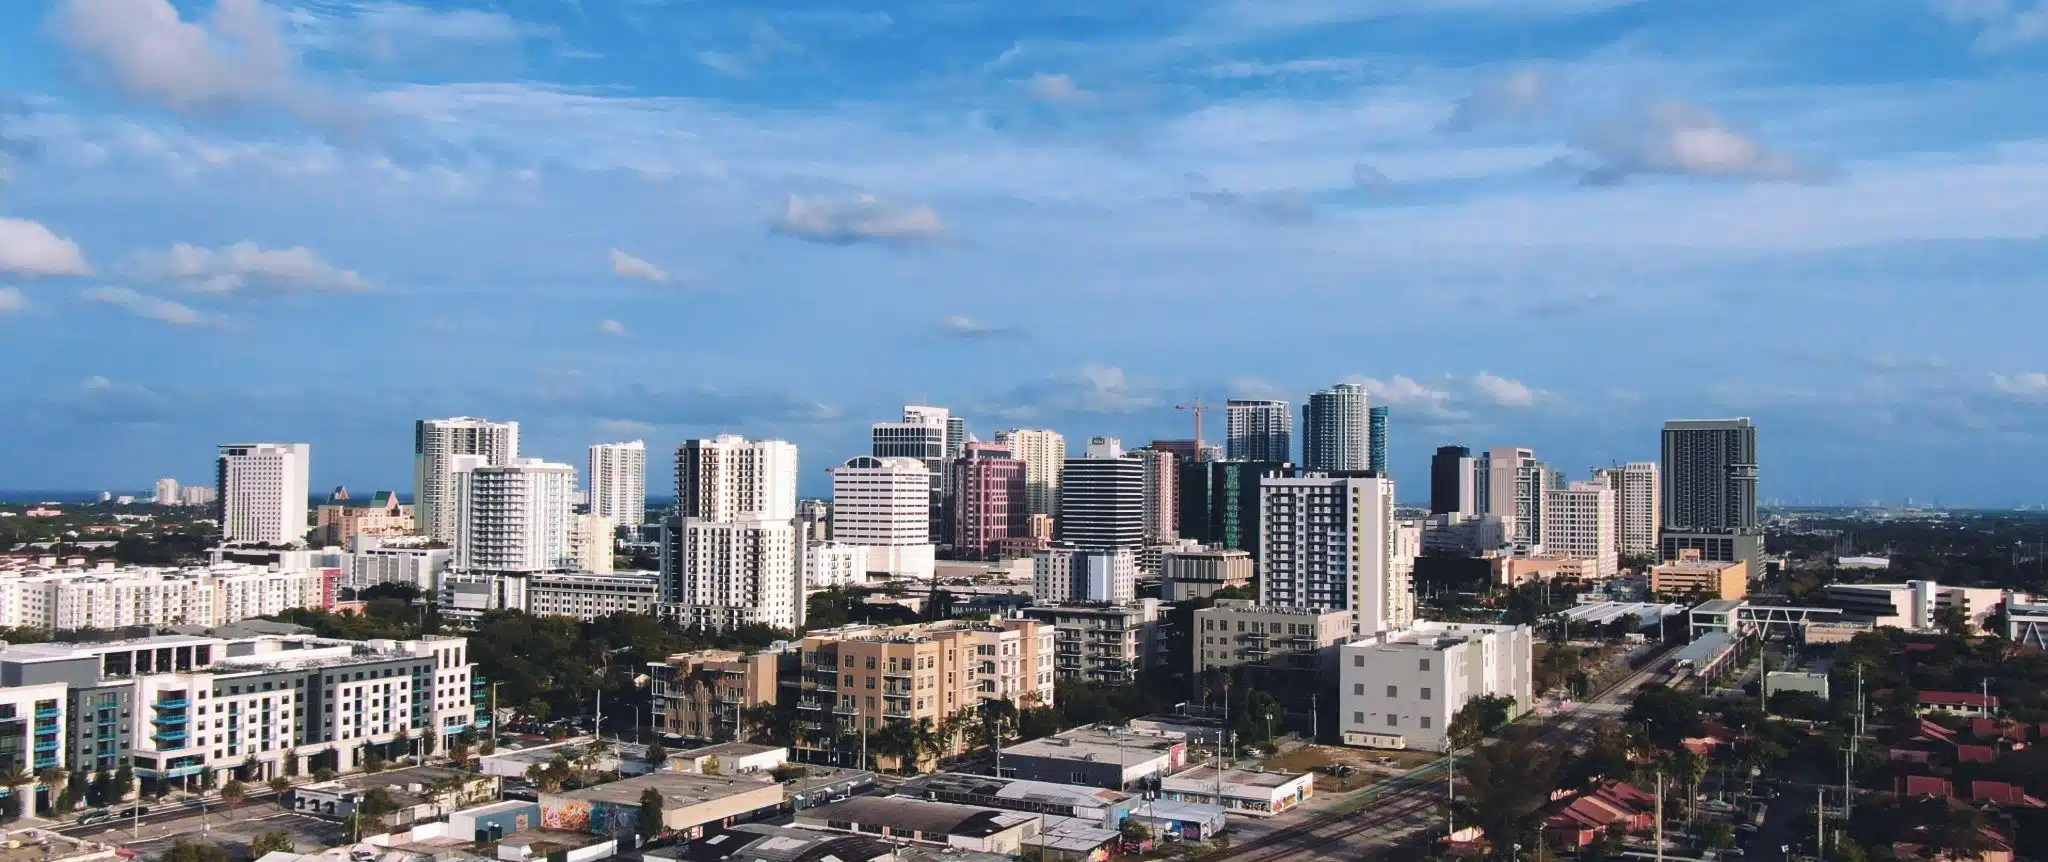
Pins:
<point x="568" y="815"/>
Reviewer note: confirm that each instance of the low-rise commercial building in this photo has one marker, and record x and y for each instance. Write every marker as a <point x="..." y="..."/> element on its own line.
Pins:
<point x="1516" y="571"/>
<point x="1103" y="756"/>
<point x="965" y="827"/>
<point x="467" y="596"/>
<point x="1914" y="605"/>
<point x="1401" y="689"/>
<point x="1099" y="806"/>
<point x="731" y="758"/>
<point x="1691" y="575"/>
<point x="691" y="802"/>
<point x="415" y="561"/>
<point x="420" y="793"/>
<point x="1257" y="793"/>
<point x="1241" y="631"/>
<point x="111" y="597"/>
<point x="2026" y="624"/>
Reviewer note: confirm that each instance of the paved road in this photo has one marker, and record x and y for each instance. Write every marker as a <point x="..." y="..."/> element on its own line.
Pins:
<point x="264" y="802"/>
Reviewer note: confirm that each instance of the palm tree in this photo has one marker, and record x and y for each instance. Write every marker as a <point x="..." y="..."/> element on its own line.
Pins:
<point x="924" y="740"/>
<point x="54" y="778"/>
<point x="232" y="794"/>
<point x="12" y="778"/>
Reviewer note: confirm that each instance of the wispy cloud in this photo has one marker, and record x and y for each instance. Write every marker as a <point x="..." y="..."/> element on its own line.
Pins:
<point x="1503" y="391"/>
<point x="30" y="250"/>
<point x="1684" y="140"/>
<point x="611" y="327"/>
<point x="12" y="300"/>
<point x="764" y="43"/>
<point x="150" y="307"/>
<point x="1286" y="206"/>
<point x="961" y="326"/>
<point x="628" y="266"/>
<point x="2001" y="25"/>
<point x="1520" y="96"/>
<point x="2028" y="385"/>
<point x="237" y="55"/>
<point x="246" y="265"/>
<point x="1055" y="88"/>
<point x="861" y="220"/>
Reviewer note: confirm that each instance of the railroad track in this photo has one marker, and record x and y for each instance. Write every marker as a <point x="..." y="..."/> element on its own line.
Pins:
<point x="1400" y="797"/>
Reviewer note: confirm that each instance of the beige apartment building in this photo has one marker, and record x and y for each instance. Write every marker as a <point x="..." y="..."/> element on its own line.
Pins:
<point x="343" y="518"/>
<point x="860" y="678"/>
<point x="1241" y="631"/>
<point x="700" y="694"/>
<point x="1691" y="574"/>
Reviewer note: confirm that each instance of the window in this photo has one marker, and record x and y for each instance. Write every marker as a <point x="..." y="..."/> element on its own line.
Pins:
<point x="1358" y="718"/>
<point x="1393" y="691"/>
<point x="1425" y="693"/>
<point x="1393" y="720"/>
<point x="1358" y="688"/>
<point x="1425" y="722"/>
<point x="1359" y="661"/>
<point x="1425" y="665"/>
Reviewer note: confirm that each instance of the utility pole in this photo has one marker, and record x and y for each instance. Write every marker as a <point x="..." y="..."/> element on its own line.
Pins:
<point x="1451" y="788"/>
<point x="1660" y="815"/>
<point x="1820" y="823"/>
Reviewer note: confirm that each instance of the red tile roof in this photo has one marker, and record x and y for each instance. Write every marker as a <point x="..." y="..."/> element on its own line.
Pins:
<point x="1928" y="785"/>
<point x="1958" y="698"/>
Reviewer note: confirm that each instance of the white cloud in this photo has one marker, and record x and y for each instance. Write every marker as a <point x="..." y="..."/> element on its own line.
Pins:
<point x="246" y="264"/>
<point x="626" y="428"/>
<point x="612" y="327"/>
<point x="864" y="219"/>
<point x="1252" y="387"/>
<point x="967" y="327"/>
<point x="96" y="383"/>
<point x="2001" y="24"/>
<point x="237" y="55"/>
<point x="1055" y="88"/>
<point x="12" y="300"/>
<point x="1502" y="391"/>
<point x="151" y="307"/>
<point x="1521" y="96"/>
<point x="29" y="249"/>
<point x="1408" y="393"/>
<point x="2026" y="384"/>
<point x="763" y="44"/>
<point x="1680" y="139"/>
<point x="628" y="266"/>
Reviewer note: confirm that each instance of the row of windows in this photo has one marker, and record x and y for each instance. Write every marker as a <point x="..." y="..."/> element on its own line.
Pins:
<point x="1393" y="720"/>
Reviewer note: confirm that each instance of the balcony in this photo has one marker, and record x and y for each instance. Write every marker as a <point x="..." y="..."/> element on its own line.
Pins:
<point x="169" y="738"/>
<point x="164" y="720"/>
<point x="173" y="703"/>
<point x="846" y="709"/>
<point x="49" y="712"/>
<point x="893" y="672"/>
<point x="47" y="745"/>
<point x="810" y="705"/>
<point x="46" y="762"/>
<point x="896" y="712"/>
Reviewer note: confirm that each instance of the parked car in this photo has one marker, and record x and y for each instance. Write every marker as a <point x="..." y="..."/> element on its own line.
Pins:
<point x="133" y="811"/>
<point x="94" y="816"/>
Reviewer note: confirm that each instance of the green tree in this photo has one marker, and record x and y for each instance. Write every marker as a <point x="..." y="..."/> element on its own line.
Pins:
<point x="1947" y="832"/>
<point x="273" y="841"/>
<point x="1952" y="619"/>
<point x="1479" y="717"/>
<point x="1507" y="785"/>
<point x="279" y="784"/>
<point x="656" y="754"/>
<point x="55" y="778"/>
<point x="651" y="804"/>
<point x="1719" y="835"/>
<point x="14" y="778"/>
<point x="1667" y="716"/>
<point x="233" y="794"/>
<point x="124" y="781"/>
<point x="1134" y="831"/>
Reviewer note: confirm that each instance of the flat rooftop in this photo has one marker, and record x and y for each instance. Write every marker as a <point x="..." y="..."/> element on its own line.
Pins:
<point x="1107" y="745"/>
<point x="420" y="776"/>
<point x="905" y="813"/>
<point x="1718" y="606"/>
<point x="1705" y="648"/>
<point x="1206" y="776"/>
<point x="1601" y="613"/>
<point x="729" y="749"/>
<point x="684" y="788"/>
<point x="1012" y="788"/>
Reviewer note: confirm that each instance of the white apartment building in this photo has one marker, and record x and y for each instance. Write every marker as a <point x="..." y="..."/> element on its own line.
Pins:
<point x="1578" y="521"/>
<point x="592" y="541"/>
<point x="166" y="493"/>
<point x="194" y="495"/>
<point x="729" y="478"/>
<point x="832" y="564"/>
<point x="69" y="599"/>
<point x="590" y="595"/>
<point x="735" y="573"/>
<point x="1335" y="429"/>
<point x="618" y="481"/>
<point x="1327" y="543"/>
<point x="1044" y="454"/>
<point x="1060" y="575"/>
<point x="1237" y="631"/>
<point x="513" y="518"/>
<point x="33" y="727"/>
<point x="263" y="493"/>
<point x="417" y="562"/>
<point x="1258" y="430"/>
<point x="1638" y="490"/>
<point x="435" y="445"/>
<point x="924" y="436"/>
<point x="1401" y="688"/>
<point x="885" y="504"/>
<point x="180" y="708"/>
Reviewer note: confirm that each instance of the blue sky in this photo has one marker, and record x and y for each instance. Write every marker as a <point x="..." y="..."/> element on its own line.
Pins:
<point x="1550" y="223"/>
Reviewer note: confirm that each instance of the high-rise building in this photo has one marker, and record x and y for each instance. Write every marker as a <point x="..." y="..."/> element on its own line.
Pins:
<point x="1511" y="487"/>
<point x="922" y="436"/>
<point x="1102" y="498"/>
<point x="1336" y="430"/>
<point x="1709" y="491"/>
<point x="1636" y="500"/>
<point x="166" y="493"/>
<point x="1062" y="575"/>
<point x="1578" y="522"/>
<point x="263" y="493"/>
<point x="1326" y="542"/>
<point x="729" y="478"/>
<point x="1376" y="439"/>
<point x="1258" y="430"/>
<point x="988" y="500"/>
<point x="618" y="482"/>
<point x="593" y="539"/>
<point x="515" y="518"/>
<point x="435" y="443"/>
<point x="734" y="556"/>
<point x="1453" y="483"/>
<point x="195" y="495"/>
<point x="1044" y="454"/>
<point x="1162" y="501"/>
<point x="884" y="504"/>
<point x="1219" y="502"/>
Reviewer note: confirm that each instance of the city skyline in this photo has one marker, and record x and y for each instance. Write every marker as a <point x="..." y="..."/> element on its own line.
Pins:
<point x="319" y="221"/>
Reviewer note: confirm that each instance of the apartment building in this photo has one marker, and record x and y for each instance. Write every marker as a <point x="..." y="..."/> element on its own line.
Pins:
<point x="1063" y="574"/>
<point x="413" y="561"/>
<point x="1579" y="521"/>
<point x="32" y="734"/>
<point x="1102" y="643"/>
<point x="1198" y="573"/>
<point x="1690" y="574"/>
<point x="178" y="708"/>
<point x="1240" y="631"/>
<point x="466" y="596"/>
<point x="700" y="695"/>
<point x="862" y="677"/>
<point x="342" y="517"/>
<point x="1400" y="689"/>
<point x="107" y="597"/>
<point x="263" y="492"/>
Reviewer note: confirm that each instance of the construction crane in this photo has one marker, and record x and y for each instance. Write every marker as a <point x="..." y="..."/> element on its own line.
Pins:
<point x="1198" y="408"/>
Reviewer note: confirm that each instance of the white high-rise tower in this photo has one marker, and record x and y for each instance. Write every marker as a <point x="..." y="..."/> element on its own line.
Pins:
<point x="435" y="444"/>
<point x="1578" y="521"/>
<point x="618" y="482"/>
<point x="1044" y="454"/>
<point x="263" y="492"/>
<point x="1258" y="430"/>
<point x="512" y="519"/>
<point x="734" y="555"/>
<point x="884" y="504"/>
<point x="1637" y="492"/>
<point x="1327" y="543"/>
<point x="1336" y="430"/>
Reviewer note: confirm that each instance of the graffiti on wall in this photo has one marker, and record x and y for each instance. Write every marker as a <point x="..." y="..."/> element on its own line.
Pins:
<point x="568" y="815"/>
